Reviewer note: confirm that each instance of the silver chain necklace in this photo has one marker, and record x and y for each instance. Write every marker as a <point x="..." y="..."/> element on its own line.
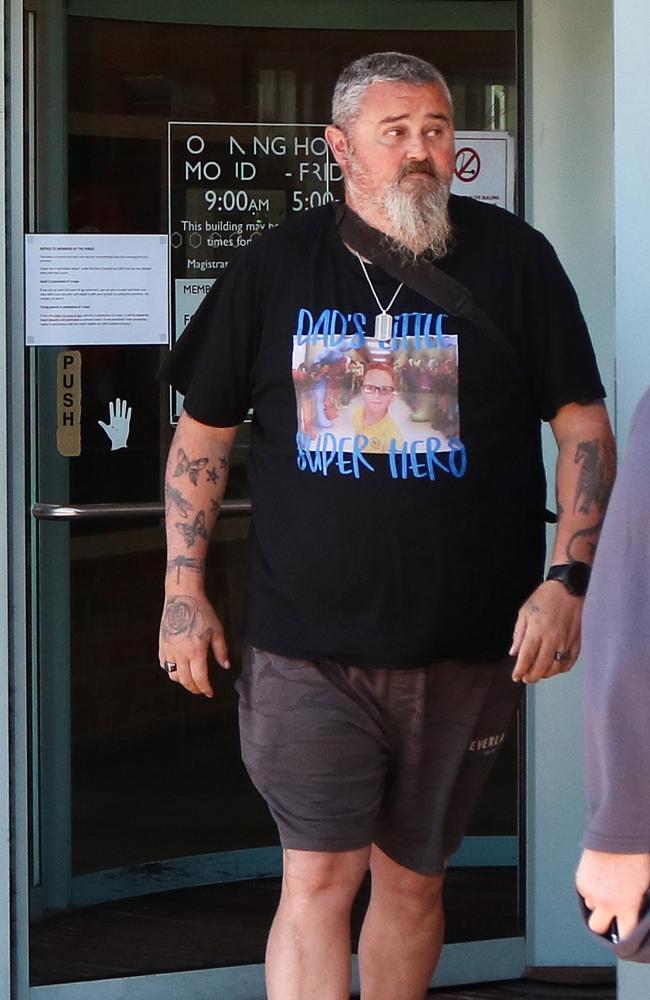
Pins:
<point x="383" y="321"/>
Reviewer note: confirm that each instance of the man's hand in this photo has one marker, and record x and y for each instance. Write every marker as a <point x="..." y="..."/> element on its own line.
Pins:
<point x="190" y="627"/>
<point x="613" y="885"/>
<point x="548" y="624"/>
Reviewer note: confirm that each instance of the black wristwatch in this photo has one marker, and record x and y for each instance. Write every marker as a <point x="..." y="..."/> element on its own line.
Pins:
<point x="574" y="575"/>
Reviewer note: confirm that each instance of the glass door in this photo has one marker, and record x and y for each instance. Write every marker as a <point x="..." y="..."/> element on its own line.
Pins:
<point x="153" y="859"/>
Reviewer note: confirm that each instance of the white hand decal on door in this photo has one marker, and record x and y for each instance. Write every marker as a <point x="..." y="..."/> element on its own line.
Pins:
<point x="119" y="423"/>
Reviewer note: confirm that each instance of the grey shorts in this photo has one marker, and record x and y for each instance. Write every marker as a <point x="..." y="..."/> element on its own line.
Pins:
<point x="349" y="756"/>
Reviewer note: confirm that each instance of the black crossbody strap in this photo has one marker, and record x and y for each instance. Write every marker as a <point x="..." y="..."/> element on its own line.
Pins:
<point x="423" y="277"/>
<point x="433" y="284"/>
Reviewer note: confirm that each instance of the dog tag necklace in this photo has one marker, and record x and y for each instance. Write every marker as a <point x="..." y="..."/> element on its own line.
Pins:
<point x="383" y="321"/>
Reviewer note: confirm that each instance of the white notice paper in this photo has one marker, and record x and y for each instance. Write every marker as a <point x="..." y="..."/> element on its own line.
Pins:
<point x="85" y="289"/>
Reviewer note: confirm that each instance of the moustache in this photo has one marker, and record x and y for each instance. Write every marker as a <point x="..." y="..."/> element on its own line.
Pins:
<point x="417" y="167"/>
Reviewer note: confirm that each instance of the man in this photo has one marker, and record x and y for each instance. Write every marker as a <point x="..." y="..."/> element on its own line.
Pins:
<point x="384" y="589"/>
<point x="614" y="872"/>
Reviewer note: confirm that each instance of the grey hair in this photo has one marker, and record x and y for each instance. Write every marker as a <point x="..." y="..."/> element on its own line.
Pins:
<point x="380" y="67"/>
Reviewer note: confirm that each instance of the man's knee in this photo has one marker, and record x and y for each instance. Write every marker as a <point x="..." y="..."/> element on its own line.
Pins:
<point x="409" y="890"/>
<point x="311" y="875"/>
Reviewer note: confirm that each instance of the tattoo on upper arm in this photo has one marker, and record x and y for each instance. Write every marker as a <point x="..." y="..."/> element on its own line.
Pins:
<point x="212" y="474"/>
<point x="223" y="462"/>
<point x="190" y="466"/>
<point x="594" y="480"/>
<point x="215" y="506"/>
<point x="191" y="532"/>
<point x="184" y="562"/>
<point x="182" y="617"/>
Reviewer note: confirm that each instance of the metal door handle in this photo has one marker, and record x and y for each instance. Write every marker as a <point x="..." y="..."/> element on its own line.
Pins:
<point x="97" y="511"/>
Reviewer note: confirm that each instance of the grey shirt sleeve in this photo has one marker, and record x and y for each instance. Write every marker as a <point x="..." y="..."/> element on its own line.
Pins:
<point x="616" y="658"/>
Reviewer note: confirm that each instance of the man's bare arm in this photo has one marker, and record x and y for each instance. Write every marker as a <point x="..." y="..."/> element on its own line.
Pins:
<point x="550" y="620"/>
<point x="586" y="467"/>
<point x="195" y="483"/>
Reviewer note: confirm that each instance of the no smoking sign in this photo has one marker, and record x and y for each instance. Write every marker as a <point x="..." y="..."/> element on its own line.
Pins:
<point x="484" y="167"/>
<point x="468" y="164"/>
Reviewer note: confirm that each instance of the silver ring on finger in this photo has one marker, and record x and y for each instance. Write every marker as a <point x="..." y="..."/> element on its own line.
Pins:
<point x="169" y="667"/>
<point x="562" y="656"/>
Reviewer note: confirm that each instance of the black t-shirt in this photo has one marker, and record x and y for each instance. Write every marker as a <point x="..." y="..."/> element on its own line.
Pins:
<point x="397" y="486"/>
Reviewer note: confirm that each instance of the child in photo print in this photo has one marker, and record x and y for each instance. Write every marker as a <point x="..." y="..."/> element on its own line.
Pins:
<point x="398" y="396"/>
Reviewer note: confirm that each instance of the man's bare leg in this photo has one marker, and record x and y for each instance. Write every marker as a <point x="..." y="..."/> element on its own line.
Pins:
<point x="402" y="933"/>
<point x="308" y="951"/>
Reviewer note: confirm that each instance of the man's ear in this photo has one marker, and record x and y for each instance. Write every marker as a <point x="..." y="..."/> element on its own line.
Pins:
<point x="338" y="143"/>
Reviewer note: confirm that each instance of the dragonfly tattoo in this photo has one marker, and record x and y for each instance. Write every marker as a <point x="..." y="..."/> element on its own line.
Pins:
<point x="184" y="562"/>
<point x="192" y="467"/>
<point x="177" y="499"/>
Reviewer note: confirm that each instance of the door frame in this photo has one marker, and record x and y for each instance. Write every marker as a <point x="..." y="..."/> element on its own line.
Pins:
<point x="460" y="963"/>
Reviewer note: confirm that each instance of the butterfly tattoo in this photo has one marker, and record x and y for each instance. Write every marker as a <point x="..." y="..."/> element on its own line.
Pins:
<point x="184" y="464"/>
<point x="176" y="498"/>
<point x="191" y="532"/>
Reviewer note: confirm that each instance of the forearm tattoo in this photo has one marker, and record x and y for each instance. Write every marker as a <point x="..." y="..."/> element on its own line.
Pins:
<point x="190" y="466"/>
<point x="193" y="467"/>
<point x="196" y="529"/>
<point x="594" y="480"/>
<point x="596" y="463"/>
<point x="182" y="618"/>
<point x="174" y="498"/>
<point x="185" y="562"/>
<point x="190" y="521"/>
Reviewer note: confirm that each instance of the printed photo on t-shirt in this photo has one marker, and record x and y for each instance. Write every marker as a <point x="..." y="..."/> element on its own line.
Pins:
<point x="377" y="398"/>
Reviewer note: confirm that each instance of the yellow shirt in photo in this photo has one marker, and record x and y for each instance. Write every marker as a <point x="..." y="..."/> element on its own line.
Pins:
<point x="379" y="435"/>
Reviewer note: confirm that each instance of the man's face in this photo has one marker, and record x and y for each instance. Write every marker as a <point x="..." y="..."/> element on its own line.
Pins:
<point x="399" y="150"/>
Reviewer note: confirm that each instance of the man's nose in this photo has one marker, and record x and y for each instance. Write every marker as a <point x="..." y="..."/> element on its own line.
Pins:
<point x="416" y="148"/>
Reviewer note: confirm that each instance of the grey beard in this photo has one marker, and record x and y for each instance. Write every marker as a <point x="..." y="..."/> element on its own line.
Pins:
<point x="419" y="221"/>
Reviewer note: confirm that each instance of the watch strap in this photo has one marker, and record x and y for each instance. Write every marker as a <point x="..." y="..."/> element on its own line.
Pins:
<point x="574" y="575"/>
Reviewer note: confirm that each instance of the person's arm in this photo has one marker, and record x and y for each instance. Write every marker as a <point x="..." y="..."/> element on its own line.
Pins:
<point x="195" y="483"/>
<point x="614" y="871"/>
<point x="613" y="886"/>
<point x="549" y="621"/>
